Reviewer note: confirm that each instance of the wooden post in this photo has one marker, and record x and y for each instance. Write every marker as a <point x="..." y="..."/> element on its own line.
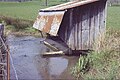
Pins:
<point x="56" y="50"/>
<point x="1" y="30"/>
<point x="54" y="53"/>
<point x="51" y="46"/>
<point x="8" y="64"/>
<point x="46" y="2"/>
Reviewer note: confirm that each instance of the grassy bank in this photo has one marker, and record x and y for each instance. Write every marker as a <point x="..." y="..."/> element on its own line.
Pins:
<point x="18" y="26"/>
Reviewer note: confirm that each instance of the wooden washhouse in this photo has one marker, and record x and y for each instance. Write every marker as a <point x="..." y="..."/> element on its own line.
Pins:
<point x="80" y="25"/>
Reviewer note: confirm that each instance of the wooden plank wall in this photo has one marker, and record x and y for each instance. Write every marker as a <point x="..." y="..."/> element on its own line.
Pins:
<point x="82" y="26"/>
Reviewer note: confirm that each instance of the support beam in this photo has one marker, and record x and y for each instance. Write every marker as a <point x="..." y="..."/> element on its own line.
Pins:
<point x="51" y="46"/>
<point x="54" y="53"/>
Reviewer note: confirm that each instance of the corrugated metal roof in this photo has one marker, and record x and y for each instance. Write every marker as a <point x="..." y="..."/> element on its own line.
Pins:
<point x="49" y="22"/>
<point x="68" y="5"/>
<point x="49" y="19"/>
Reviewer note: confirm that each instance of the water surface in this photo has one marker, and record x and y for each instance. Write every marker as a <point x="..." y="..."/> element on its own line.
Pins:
<point x="29" y="64"/>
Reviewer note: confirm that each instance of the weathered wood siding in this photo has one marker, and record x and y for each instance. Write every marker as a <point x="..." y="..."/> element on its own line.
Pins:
<point x="82" y="26"/>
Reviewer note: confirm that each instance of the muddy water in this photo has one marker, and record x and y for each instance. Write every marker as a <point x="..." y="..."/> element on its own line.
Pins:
<point x="29" y="64"/>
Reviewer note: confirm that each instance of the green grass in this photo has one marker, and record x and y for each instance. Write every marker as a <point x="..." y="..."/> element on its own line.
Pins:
<point x="25" y="10"/>
<point x="113" y="18"/>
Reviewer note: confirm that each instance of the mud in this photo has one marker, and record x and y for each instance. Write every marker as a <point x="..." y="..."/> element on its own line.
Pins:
<point x="29" y="64"/>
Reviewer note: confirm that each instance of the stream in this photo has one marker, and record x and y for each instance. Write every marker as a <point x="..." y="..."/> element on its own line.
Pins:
<point x="30" y="65"/>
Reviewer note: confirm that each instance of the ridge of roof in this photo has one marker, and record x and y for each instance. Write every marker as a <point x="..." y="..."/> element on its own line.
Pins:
<point x="68" y="5"/>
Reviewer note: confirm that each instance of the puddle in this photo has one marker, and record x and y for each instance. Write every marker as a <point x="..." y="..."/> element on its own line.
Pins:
<point x="29" y="64"/>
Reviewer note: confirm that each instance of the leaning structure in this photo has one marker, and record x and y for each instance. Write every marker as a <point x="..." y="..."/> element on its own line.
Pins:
<point x="79" y="24"/>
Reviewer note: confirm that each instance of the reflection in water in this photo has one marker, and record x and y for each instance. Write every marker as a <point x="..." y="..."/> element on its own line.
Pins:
<point x="29" y="64"/>
<point x="57" y="66"/>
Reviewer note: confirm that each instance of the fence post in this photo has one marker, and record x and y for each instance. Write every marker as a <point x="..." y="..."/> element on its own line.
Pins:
<point x="1" y="30"/>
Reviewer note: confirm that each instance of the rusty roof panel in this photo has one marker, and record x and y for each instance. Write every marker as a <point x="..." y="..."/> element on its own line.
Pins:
<point x="69" y="5"/>
<point x="49" y="19"/>
<point x="49" y="22"/>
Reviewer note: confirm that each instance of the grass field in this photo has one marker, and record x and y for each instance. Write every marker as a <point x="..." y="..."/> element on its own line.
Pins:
<point x="113" y="17"/>
<point x="29" y="10"/>
<point x="25" y="10"/>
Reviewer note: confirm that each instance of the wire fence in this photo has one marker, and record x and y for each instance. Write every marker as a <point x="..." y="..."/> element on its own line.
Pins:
<point x="3" y="55"/>
<point x="5" y="58"/>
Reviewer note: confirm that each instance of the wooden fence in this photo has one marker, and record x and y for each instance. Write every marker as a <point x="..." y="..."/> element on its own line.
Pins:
<point x="4" y="59"/>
